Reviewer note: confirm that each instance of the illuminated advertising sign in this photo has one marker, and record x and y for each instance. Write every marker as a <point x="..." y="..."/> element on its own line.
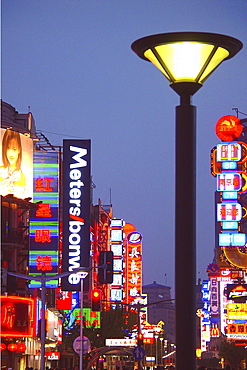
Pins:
<point x="237" y="292"/>
<point x="229" y="212"/>
<point x="91" y="319"/>
<point x="237" y="311"/>
<point x="229" y="182"/>
<point x="116" y="245"/>
<point x="205" y="315"/>
<point x="214" y="297"/>
<point x="16" y="164"/>
<point x="237" y="331"/>
<point x="232" y="239"/>
<point x="228" y="128"/>
<point x="52" y="356"/>
<point x="53" y="326"/>
<point x="17" y="316"/>
<point x="134" y="263"/>
<point x="215" y="332"/>
<point x="76" y="210"/>
<point x="229" y="152"/>
<point x="63" y="299"/>
<point x="44" y="223"/>
<point x="121" y="342"/>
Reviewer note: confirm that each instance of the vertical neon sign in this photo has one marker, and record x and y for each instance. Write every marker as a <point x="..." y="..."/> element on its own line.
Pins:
<point x="134" y="263"/>
<point x="116" y="241"/>
<point x="44" y="230"/>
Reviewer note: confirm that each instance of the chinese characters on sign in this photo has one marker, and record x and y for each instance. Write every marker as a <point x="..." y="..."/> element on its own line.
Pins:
<point x="44" y="226"/>
<point x="116" y="241"/>
<point x="134" y="263"/>
<point x="17" y="316"/>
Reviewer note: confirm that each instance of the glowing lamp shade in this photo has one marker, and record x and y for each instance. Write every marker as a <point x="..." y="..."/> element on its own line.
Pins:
<point x="186" y="57"/>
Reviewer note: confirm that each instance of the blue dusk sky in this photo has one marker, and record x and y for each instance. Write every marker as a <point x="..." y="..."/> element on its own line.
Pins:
<point x="71" y="62"/>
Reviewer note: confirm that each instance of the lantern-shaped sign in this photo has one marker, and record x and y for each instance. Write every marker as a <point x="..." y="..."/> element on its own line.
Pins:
<point x="12" y="347"/>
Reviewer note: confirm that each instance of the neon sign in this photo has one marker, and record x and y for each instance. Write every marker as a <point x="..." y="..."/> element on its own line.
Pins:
<point x="116" y="244"/>
<point x="44" y="226"/>
<point x="134" y="263"/>
<point x="229" y="212"/>
<point x="17" y="316"/>
<point x="228" y="128"/>
<point x="229" y="182"/>
<point x="228" y="152"/>
<point x="76" y="210"/>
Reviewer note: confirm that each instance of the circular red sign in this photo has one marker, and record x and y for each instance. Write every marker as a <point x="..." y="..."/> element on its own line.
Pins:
<point x="2" y="346"/>
<point x="12" y="347"/>
<point x="21" y="347"/>
<point x="228" y="128"/>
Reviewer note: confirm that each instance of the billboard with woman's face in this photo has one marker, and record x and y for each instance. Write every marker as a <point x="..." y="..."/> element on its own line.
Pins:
<point x="16" y="164"/>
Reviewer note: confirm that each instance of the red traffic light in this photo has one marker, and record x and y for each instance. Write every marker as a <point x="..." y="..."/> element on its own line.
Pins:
<point x="96" y="299"/>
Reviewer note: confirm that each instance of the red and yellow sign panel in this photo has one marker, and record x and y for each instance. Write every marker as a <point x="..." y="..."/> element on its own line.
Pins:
<point x="228" y="128"/>
<point x="237" y="311"/>
<point x="134" y="272"/>
<point x="17" y="316"/>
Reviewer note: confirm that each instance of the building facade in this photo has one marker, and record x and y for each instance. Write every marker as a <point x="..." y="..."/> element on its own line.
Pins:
<point x="163" y="311"/>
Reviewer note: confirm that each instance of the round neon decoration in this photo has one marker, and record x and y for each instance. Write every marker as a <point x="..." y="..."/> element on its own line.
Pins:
<point x="12" y="347"/>
<point x="228" y="128"/>
<point x="2" y="346"/>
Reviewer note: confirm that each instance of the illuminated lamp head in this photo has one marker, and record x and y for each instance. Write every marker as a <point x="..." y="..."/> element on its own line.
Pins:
<point x="200" y="52"/>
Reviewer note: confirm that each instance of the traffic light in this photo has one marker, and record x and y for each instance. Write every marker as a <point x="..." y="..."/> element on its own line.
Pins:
<point x="140" y="339"/>
<point x="96" y="300"/>
<point x="105" y="273"/>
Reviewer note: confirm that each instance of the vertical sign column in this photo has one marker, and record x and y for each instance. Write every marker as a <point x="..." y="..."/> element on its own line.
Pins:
<point x="76" y="210"/>
<point x="44" y="231"/>
<point x="116" y="242"/>
<point x="134" y="263"/>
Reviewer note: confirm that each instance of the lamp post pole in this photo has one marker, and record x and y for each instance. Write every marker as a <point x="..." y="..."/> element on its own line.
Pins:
<point x="156" y="349"/>
<point x="185" y="234"/>
<point x="161" y="350"/>
<point x="186" y="59"/>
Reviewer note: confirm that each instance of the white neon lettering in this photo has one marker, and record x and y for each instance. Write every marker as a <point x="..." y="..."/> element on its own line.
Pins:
<point x="81" y="152"/>
<point x="74" y="238"/>
<point x="75" y="193"/>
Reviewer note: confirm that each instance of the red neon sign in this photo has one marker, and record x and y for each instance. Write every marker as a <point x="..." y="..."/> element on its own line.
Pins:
<point x="17" y="317"/>
<point x="228" y="128"/>
<point x="43" y="184"/>
<point x="42" y="236"/>
<point x="44" y="210"/>
<point x="2" y="346"/>
<point x="44" y="263"/>
<point x="12" y="347"/>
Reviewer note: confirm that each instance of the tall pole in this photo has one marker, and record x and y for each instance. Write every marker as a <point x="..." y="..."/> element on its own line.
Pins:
<point x="156" y="350"/>
<point x="185" y="235"/>
<point x="138" y="329"/>
<point x="161" y="351"/>
<point x="81" y="328"/>
<point x="42" y="323"/>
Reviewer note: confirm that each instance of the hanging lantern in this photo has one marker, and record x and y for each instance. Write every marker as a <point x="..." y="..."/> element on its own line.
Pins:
<point x="21" y="347"/>
<point x="12" y="347"/>
<point x="2" y="346"/>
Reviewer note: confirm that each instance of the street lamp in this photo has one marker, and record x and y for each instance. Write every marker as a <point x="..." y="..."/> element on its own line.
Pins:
<point x="161" y="350"/>
<point x="156" y="336"/>
<point x="186" y="59"/>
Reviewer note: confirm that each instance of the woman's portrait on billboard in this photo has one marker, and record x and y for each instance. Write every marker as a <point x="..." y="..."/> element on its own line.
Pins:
<point x="12" y="179"/>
